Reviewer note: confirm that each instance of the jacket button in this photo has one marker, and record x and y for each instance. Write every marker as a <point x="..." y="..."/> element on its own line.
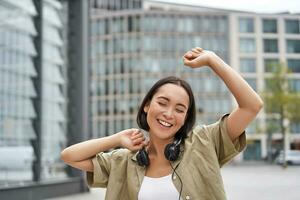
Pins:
<point x="187" y="197"/>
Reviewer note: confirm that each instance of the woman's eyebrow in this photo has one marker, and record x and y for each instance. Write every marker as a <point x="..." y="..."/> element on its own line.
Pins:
<point x="167" y="99"/>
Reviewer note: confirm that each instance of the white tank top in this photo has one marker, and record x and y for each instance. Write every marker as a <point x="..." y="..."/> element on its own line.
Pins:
<point x="158" y="188"/>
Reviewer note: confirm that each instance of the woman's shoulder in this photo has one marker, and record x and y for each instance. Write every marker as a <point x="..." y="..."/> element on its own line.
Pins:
<point x="120" y="153"/>
<point x="199" y="133"/>
<point x="199" y="130"/>
<point x="210" y="127"/>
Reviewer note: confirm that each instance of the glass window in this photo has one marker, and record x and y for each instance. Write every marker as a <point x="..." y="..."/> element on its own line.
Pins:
<point x="252" y="128"/>
<point x="294" y="85"/>
<point x="270" y="65"/>
<point x="181" y="25"/>
<point x="294" y="65"/>
<point x="150" y="43"/>
<point x="93" y="28"/>
<point x="295" y="127"/>
<point x="270" y="45"/>
<point x="251" y="82"/>
<point x="247" y="45"/>
<point x="100" y="27"/>
<point x="292" y="26"/>
<point x="293" y="46"/>
<point x="270" y="26"/>
<point x="247" y="65"/>
<point x="246" y="25"/>
<point x="150" y="23"/>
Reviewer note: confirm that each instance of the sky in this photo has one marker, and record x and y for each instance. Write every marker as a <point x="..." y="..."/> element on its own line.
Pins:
<point x="262" y="6"/>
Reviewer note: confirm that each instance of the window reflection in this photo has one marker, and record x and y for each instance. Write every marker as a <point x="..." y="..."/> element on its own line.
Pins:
<point x="270" y="45"/>
<point x="247" y="45"/>
<point x="269" y="25"/>
<point x="294" y="65"/>
<point x="292" y="26"/>
<point x="293" y="46"/>
<point x="248" y="65"/>
<point x="246" y="25"/>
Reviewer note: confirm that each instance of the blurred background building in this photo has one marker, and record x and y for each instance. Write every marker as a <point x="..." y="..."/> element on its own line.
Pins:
<point x="33" y="88"/>
<point x="40" y="51"/>
<point x="75" y="71"/>
<point x="133" y="44"/>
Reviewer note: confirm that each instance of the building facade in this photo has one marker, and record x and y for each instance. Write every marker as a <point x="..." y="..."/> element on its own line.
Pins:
<point x="23" y="82"/>
<point x="133" y="48"/>
<point x="259" y="42"/>
<point x="37" y="113"/>
<point x="134" y="44"/>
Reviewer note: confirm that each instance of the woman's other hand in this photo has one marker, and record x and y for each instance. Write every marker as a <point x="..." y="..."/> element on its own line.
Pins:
<point x="132" y="139"/>
<point x="197" y="57"/>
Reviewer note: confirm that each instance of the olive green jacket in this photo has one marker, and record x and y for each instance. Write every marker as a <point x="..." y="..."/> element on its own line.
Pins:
<point x="205" y="150"/>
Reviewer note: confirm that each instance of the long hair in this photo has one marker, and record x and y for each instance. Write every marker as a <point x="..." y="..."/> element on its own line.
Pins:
<point x="191" y="112"/>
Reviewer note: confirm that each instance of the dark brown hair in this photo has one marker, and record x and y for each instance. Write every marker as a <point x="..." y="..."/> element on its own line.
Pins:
<point x="191" y="112"/>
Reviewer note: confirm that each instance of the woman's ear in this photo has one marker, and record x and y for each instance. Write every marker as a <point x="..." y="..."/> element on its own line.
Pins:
<point x="146" y="107"/>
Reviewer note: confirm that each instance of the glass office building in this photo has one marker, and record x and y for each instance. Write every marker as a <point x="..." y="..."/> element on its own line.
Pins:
<point x="54" y="101"/>
<point x="16" y="87"/>
<point x="33" y="100"/>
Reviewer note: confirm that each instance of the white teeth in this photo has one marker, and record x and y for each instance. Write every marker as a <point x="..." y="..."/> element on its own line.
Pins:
<point x="165" y="123"/>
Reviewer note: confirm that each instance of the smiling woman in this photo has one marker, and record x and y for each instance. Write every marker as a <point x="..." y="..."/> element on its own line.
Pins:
<point x="179" y="160"/>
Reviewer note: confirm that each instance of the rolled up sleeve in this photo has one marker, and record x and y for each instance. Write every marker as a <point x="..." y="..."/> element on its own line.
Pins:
<point x="225" y="148"/>
<point x="99" y="177"/>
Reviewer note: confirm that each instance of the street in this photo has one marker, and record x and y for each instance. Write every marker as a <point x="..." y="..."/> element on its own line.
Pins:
<point x="262" y="182"/>
<point x="252" y="181"/>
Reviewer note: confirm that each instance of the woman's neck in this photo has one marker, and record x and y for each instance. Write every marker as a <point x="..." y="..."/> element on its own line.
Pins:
<point x="157" y="146"/>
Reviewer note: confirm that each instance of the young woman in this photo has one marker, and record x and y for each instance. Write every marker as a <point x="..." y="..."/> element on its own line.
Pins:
<point x="179" y="161"/>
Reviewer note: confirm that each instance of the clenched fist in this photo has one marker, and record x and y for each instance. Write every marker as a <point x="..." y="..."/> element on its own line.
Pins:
<point x="198" y="57"/>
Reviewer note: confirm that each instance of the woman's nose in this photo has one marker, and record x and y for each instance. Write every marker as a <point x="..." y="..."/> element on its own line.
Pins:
<point x="168" y="113"/>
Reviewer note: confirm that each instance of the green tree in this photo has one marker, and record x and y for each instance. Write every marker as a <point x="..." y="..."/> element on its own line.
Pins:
<point x="282" y="103"/>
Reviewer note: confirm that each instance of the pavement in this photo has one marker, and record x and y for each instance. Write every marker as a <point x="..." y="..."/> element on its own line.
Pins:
<point x="247" y="181"/>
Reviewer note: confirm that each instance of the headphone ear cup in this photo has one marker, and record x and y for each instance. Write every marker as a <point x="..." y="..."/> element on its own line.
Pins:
<point x="172" y="152"/>
<point x="142" y="158"/>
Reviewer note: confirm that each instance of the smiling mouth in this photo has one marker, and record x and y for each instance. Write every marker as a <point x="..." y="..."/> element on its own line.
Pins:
<point x="164" y="123"/>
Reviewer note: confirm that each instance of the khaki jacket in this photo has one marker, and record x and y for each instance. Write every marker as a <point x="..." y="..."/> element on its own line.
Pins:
<point x="205" y="150"/>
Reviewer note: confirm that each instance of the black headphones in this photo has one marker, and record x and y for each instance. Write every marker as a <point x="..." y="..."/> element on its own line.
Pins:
<point x="172" y="151"/>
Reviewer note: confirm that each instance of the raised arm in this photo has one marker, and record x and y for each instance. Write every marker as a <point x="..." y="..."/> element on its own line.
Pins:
<point x="249" y="103"/>
<point x="80" y="155"/>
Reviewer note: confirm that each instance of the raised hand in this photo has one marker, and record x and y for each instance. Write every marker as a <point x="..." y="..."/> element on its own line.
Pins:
<point x="132" y="139"/>
<point x="197" y="57"/>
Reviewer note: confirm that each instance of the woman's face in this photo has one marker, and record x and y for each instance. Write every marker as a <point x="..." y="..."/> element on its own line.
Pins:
<point x="167" y="110"/>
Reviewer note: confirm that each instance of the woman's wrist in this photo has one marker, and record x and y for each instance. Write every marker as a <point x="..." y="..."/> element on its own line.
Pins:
<point x="115" y="140"/>
<point x="214" y="61"/>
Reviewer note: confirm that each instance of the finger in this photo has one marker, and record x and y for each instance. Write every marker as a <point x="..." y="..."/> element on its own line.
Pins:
<point x="195" y="50"/>
<point x="137" y="135"/>
<point x="138" y="141"/>
<point x="146" y="142"/>
<point x="138" y="147"/>
<point x="191" y="55"/>
<point x="199" y="49"/>
<point x="188" y="54"/>
<point x="190" y="63"/>
<point x="134" y="131"/>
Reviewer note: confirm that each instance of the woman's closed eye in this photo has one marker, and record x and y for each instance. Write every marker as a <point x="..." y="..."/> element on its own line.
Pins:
<point x="180" y="110"/>
<point x="162" y="103"/>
